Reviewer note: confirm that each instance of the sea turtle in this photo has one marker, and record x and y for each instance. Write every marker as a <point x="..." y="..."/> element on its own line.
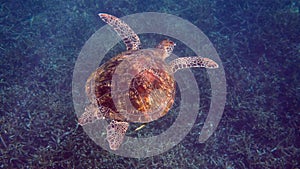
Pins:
<point x="144" y="73"/>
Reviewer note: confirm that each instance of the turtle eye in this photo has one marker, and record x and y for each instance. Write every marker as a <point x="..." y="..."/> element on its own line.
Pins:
<point x="171" y="43"/>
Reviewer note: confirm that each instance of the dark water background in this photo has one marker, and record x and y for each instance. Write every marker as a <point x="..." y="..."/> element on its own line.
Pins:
<point x="258" y="42"/>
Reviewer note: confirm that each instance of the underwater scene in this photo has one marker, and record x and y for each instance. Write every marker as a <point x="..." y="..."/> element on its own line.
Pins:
<point x="225" y="90"/>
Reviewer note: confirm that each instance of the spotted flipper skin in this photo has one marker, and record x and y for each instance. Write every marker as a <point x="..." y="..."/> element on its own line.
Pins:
<point x="131" y="40"/>
<point x="115" y="133"/>
<point x="92" y="113"/>
<point x="189" y="62"/>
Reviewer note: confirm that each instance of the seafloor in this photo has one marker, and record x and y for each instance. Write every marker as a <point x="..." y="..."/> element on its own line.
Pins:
<point x="258" y="43"/>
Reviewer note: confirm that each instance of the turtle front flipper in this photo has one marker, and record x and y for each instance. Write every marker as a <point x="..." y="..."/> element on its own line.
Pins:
<point x="189" y="62"/>
<point x="131" y="40"/>
<point x="115" y="133"/>
<point x="92" y="113"/>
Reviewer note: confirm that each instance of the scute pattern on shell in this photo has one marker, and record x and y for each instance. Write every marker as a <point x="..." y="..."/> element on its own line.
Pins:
<point x="151" y="92"/>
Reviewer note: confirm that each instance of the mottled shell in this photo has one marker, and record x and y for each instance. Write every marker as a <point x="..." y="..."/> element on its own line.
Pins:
<point x="149" y="82"/>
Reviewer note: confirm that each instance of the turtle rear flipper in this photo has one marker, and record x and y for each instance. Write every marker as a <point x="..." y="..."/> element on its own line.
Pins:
<point x="189" y="62"/>
<point x="115" y="133"/>
<point x="131" y="40"/>
<point x="92" y="113"/>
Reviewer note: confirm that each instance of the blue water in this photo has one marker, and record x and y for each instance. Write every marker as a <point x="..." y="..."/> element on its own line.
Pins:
<point x="257" y="41"/>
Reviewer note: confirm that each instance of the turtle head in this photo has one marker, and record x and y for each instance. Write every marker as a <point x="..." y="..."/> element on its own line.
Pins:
<point x="167" y="46"/>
